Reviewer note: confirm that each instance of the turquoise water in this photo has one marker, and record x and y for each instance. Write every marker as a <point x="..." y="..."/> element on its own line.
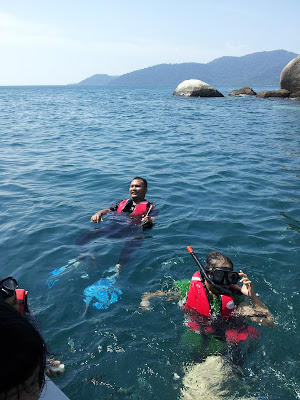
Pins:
<point x="224" y="174"/>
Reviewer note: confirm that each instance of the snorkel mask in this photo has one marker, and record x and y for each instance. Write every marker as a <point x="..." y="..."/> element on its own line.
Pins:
<point x="8" y="287"/>
<point x="217" y="279"/>
<point x="223" y="276"/>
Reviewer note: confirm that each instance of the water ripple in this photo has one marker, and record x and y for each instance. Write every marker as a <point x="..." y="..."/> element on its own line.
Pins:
<point x="224" y="174"/>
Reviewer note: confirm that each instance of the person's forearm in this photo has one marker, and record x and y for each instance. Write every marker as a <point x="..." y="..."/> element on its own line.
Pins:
<point x="104" y="211"/>
<point x="261" y="307"/>
<point x="98" y="216"/>
<point x="145" y="303"/>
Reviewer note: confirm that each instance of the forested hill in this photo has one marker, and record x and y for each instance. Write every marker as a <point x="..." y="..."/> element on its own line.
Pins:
<point x="97" y="80"/>
<point x="257" y="69"/>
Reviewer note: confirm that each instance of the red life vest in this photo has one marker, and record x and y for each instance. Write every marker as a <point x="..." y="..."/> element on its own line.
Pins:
<point x="21" y="296"/>
<point x="140" y="208"/>
<point x="197" y="301"/>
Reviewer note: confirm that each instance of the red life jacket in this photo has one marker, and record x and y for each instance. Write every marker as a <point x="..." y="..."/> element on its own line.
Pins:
<point x="21" y="296"/>
<point x="197" y="301"/>
<point x="140" y="208"/>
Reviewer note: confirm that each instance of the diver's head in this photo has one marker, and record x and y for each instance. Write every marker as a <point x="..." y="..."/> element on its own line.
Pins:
<point x="10" y="294"/>
<point x="219" y="268"/>
<point x="138" y="189"/>
<point x="8" y="288"/>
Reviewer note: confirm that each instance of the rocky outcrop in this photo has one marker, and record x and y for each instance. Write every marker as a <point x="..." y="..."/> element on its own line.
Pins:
<point x="196" y="88"/>
<point x="283" y="93"/>
<point x="290" y="77"/>
<point x="242" y="92"/>
<point x="295" y="95"/>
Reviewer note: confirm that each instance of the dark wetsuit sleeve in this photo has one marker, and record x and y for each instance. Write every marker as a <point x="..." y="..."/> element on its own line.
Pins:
<point x="114" y="207"/>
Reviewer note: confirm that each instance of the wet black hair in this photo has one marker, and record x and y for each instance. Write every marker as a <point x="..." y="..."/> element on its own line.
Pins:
<point x="216" y="259"/>
<point x="22" y="349"/>
<point x="142" y="179"/>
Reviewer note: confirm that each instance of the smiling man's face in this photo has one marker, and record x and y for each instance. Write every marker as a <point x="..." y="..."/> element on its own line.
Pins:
<point x="137" y="190"/>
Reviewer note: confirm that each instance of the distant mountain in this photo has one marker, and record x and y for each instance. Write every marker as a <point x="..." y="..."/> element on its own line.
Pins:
<point x="257" y="69"/>
<point x="97" y="80"/>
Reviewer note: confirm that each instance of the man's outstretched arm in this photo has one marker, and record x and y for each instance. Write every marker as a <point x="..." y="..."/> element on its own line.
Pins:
<point x="98" y="216"/>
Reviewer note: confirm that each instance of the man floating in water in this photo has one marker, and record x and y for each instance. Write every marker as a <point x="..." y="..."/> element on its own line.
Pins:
<point x="130" y="218"/>
<point x="103" y="293"/>
<point x="137" y="208"/>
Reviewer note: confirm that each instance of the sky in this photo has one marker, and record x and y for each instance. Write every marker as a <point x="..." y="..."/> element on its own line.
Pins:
<point x="57" y="42"/>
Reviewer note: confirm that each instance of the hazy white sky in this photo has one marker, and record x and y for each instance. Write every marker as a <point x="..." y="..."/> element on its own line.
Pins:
<point x="51" y="42"/>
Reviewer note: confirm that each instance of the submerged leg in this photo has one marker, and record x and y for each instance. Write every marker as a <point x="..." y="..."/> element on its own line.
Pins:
<point x="86" y="238"/>
<point x="129" y="248"/>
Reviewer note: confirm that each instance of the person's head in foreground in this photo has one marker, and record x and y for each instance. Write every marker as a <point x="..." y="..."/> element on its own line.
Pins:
<point x="23" y="356"/>
<point x="138" y="189"/>
<point x="219" y="268"/>
<point x="8" y="294"/>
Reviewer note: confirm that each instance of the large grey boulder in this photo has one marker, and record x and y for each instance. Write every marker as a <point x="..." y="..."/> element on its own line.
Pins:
<point x="196" y="88"/>
<point x="242" y="92"/>
<point x="290" y="77"/>
<point x="283" y="93"/>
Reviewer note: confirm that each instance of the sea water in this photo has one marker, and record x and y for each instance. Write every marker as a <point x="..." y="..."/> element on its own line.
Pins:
<point x="224" y="175"/>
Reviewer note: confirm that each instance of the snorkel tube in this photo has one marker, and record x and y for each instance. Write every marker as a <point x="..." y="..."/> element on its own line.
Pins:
<point x="204" y="275"/>
<point x="149" y="211"/>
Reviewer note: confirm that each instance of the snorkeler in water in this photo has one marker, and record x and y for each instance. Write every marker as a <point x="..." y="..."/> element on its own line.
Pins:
<point x="138" y="209"/>
<point x="214" y="302"/>
<point x="136" y="206"/>
<point x="103" y="293"/>
<point x="215" y="310"/>
<point x="131" y="217"/>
